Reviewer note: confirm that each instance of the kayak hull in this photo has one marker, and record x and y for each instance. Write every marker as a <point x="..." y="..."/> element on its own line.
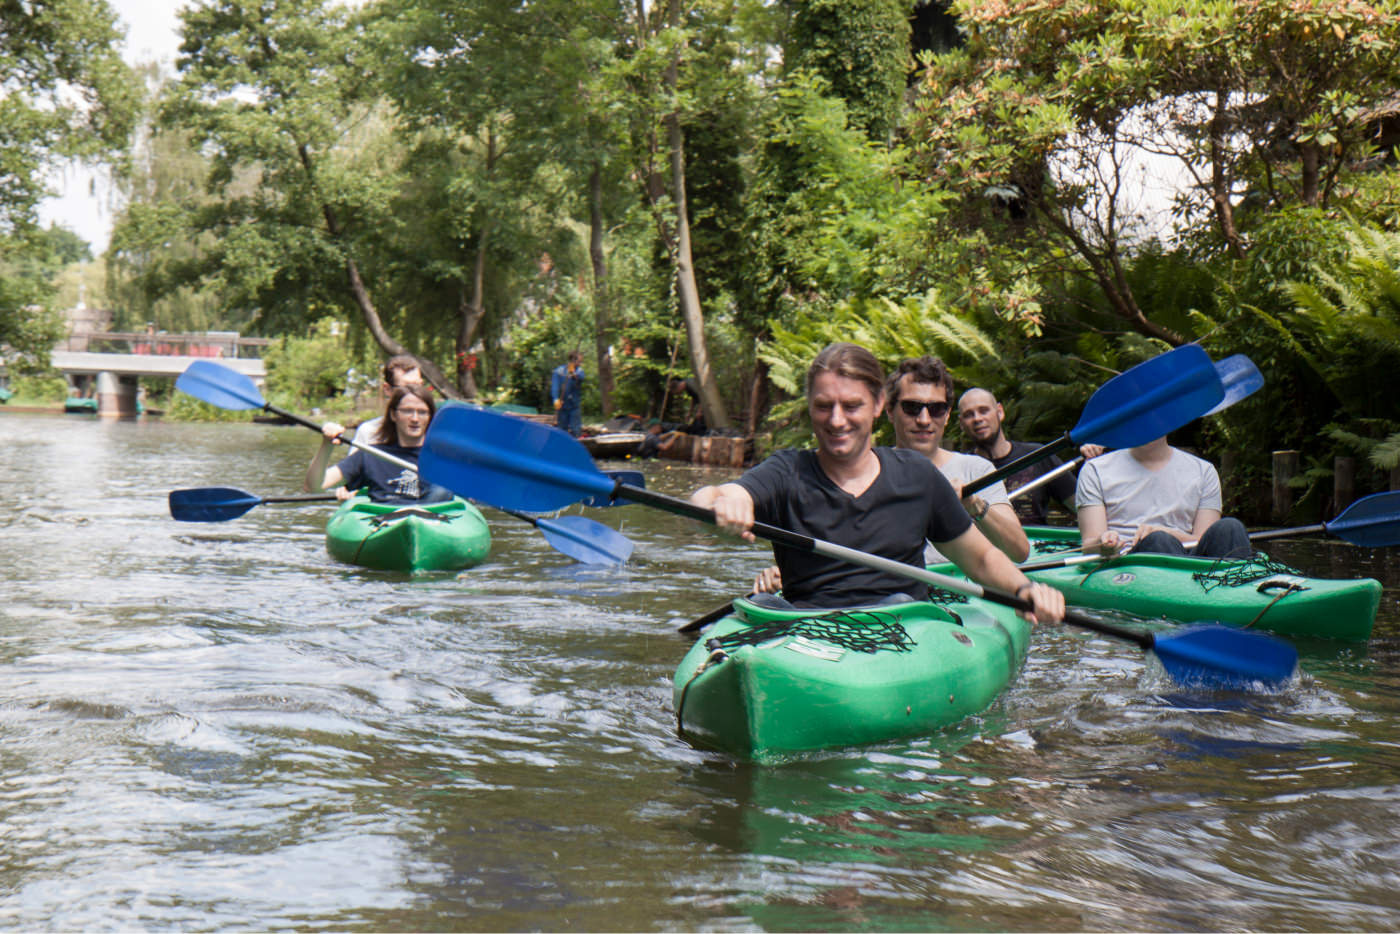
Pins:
<point x="796" y="692"/>
<point x="1188" y="590"/>
<point x="445" y="536"/>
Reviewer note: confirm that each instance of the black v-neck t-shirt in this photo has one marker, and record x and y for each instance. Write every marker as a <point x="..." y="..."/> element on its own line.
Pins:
<point x="908" y="503"/>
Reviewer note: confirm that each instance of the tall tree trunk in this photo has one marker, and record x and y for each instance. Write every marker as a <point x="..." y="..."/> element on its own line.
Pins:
<point x="687" y="289"/>
<point x="1312" y="172"/>
<point x="1219" y="179"/>
<point x="360" y="292"/>
<point x="470" y="312"/>
<point x="602" y="310"/>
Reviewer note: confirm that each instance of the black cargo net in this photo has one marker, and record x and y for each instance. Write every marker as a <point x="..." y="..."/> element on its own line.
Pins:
<point x="1233" y="572"/>
<point x="1053" y="546"/>
<point x="939" y="595"/>
<point x="867" y="631"/>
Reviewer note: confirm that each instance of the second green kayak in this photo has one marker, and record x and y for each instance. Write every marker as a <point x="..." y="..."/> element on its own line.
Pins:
<point x="1259" y="592"/>
<point x="445" y="536"/>
<point x="765" y="684"/>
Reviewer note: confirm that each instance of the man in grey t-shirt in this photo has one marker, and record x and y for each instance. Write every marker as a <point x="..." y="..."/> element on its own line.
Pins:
<point x="1155" y="498"/>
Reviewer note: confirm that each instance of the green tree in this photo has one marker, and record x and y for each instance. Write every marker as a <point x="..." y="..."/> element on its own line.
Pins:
<point x="1041" y="120"/>
<point x="283" y="101"/>
<point x="860" y="49"/>
<point x="67" y="95"/>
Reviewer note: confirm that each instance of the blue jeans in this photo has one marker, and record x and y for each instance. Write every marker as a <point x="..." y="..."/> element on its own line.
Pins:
<point x="1227" y="538"/>
<point x="570" y="418"/>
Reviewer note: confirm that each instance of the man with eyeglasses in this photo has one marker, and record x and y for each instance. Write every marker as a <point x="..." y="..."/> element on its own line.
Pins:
<point x="920" y="394"/>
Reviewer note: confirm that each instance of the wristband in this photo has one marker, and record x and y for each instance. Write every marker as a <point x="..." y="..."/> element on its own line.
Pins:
<point x="979" y="516"/>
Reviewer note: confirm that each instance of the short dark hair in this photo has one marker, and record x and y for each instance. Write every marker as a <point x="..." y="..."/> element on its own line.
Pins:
<point x="396" y="365"/>
<point x="924" y="370"/>
<point x="388" y="431"/>
<point x="851" y="361"/>
<point x="575" y="357"/>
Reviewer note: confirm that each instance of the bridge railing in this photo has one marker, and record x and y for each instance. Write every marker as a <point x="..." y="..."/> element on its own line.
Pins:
<point x="206" y="344"/>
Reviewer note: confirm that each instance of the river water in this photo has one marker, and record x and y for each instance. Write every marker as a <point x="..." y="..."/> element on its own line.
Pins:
<point x="216" y="726"/>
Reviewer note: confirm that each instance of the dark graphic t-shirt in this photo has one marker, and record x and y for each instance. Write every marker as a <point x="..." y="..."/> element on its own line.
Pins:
<point x="390" y="483"/>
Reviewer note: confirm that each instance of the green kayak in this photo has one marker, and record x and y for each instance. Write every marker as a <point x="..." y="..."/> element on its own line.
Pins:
<point x="443" y="536"/>
<point x="1258" y="592"/>
<point x="764" y="684"/>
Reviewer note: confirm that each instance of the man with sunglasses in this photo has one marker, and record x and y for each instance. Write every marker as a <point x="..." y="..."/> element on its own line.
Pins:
<point x="920" y="396"/>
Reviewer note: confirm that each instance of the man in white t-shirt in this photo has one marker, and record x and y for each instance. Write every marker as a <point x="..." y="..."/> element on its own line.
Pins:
<point x="919" y="396"/>
<point x="1155" y="498"/>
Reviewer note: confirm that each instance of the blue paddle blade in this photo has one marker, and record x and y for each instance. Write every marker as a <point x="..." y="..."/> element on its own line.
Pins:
<point x="1221" y="657"/>
<point x="1241" y="379"/>
<point x="629" y="477"/>
<point x="219" y="386"/>
<point x="210" y="504"/>
<point x="508" y="462"/>
<point x="586" y="541"/>
<point x="1152" y="399"/>
<point x="1371" y="522"/>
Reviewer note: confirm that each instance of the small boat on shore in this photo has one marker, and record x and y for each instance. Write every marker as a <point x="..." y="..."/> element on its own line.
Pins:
<point x="613" y="445"/>
<point x="766" y="684"/>
<point x="446" y="536"/>
<point x="1257" y="593"/>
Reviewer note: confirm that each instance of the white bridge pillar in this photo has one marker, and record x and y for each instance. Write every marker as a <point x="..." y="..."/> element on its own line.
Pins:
<point x="116" y="395"/>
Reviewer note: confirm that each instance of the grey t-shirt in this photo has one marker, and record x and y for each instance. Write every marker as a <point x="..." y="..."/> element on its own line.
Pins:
<point x="964" y="468"/>
<point x="1134" y="496"/>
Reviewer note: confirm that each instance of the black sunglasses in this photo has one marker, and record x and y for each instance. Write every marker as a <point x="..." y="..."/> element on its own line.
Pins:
<point x="912" y="408"/>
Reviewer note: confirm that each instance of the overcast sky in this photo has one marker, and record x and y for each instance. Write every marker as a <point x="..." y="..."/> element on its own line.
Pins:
<point x="85" y="204"/>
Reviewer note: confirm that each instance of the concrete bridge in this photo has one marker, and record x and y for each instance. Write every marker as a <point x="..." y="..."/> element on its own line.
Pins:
<point x="110" y="364"/>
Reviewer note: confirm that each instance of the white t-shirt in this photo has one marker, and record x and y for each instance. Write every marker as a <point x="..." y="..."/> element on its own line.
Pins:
<point x="1134" y="496"/>
<point x="964" y="468"/>
<point x="366" y="432"/>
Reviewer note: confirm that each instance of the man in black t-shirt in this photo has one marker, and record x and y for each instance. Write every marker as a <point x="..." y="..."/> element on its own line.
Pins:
<point x="879" y="500"/>
<point x="981" y="417"/>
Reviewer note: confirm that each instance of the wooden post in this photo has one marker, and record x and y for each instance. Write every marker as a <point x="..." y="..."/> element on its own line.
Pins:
<point x="1343" y="483"/>
<point x="1395" y="478"/>
<point x="1285" y="466"/>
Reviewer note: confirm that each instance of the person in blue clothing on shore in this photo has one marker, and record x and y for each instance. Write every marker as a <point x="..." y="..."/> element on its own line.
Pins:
<point x="566" y="389"/>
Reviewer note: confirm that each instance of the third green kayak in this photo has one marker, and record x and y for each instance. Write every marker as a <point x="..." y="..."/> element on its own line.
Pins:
<point x="1258" y="592"/>
<point x="444" y="536"/>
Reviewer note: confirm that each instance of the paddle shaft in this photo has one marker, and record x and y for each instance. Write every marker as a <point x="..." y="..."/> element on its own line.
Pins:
<point x="306" y="498"/>
<point x="1044" y="478"/>
<point x="1264" y="535"/>
<point x="800" y="542"/>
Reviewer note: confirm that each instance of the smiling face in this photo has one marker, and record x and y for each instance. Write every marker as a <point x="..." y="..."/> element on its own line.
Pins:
<point x="843" y="414"/>
<point x="920" y="415"/>
<point x="410" y="415"/>
<point x="980" y="415"/>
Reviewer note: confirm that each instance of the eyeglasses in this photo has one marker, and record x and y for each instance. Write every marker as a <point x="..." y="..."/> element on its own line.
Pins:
<point x="412" y="413"/>
<point x="912" y="408"/>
